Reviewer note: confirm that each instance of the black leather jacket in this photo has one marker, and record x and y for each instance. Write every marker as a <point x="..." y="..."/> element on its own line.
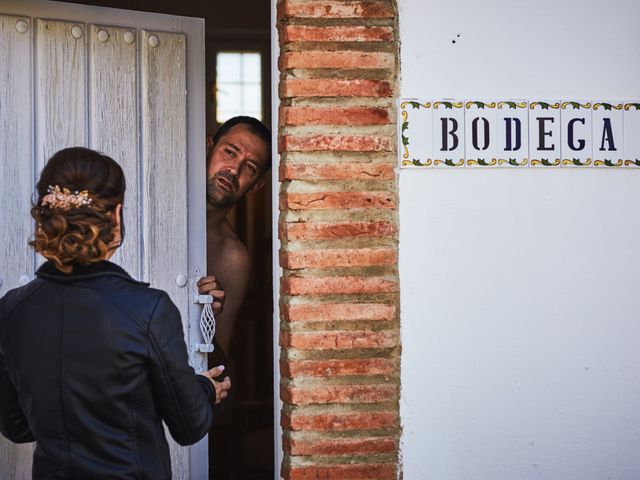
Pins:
<point x="90" y="364"/>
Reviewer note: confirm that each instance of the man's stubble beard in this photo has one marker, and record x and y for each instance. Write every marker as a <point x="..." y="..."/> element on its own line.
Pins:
<point x="224" y="199"/>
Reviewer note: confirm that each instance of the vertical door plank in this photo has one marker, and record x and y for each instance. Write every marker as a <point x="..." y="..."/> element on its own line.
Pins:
<point x="16" y="166"/>
<point x="113" y="123"/>
<point x="60" y="87"/>
<point x="16" y="173"/>
<point x="164" y="149"/>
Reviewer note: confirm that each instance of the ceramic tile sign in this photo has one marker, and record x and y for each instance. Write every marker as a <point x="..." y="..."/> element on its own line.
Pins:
<point x="544" y="133"/>
<point x="481" y="127"/>
<point x="448" y="133"/>
<point x="418" y="151"/>
<point x="509" y="133"/>
<point x="575" y="121"/>
<point x="608" y="134"/>
<point x="631" y="121"/>
<point x="512" y="129"/>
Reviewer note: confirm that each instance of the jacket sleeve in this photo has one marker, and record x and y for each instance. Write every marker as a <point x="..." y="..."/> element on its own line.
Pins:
<point x="184" y="399"/>
<point x="13" y="423"/>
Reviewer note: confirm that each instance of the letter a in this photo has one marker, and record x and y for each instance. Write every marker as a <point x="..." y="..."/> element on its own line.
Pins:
<point x="607" y="136"/>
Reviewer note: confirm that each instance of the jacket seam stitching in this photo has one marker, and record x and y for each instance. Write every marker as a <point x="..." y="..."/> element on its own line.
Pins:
<point x="153" y="312"/>
<point x="139" y="323"/>
<point x="170" y="386"/>
<point x="65" y="435"/>
<point x="133" y="439"/>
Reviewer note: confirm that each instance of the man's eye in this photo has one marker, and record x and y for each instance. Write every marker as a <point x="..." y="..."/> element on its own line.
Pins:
<point x="252" y="168"/>
<point x="229" y="152"/>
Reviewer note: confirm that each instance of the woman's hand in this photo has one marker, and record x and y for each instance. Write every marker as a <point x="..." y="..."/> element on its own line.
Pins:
<point x="210" y="286"/>
<point x="222" y="388"/>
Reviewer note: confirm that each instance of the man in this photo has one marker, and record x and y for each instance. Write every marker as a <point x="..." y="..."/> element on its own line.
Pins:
<point x="239" y="157"/>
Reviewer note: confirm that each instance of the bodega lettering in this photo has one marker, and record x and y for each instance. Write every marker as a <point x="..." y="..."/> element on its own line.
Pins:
<point x="519" y="133"/>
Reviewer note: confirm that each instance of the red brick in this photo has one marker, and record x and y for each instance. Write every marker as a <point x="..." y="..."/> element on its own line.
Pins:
<point x="302" y="33"/>
<point x="338" y="340"/>
<point x="343" y="257"/>
<point x="336" y="171"/>
<point x="326" y="231"/>
<point x="336" y="200"/>
<point x="336" y="9"/>
<point x="338" y="311"/>
<point x="338" y="394"/>
<point x="342" y="59"/>
<point x="367" y="471"/>
<point x="338" y="367"/>
<point x="339" y="446"/>
<point x="295" y="116"/>
<point x="340" y="421"/>
<point x="336" y="285"/>
<point x="335" y="143"/>
<point x="332" y="87"/>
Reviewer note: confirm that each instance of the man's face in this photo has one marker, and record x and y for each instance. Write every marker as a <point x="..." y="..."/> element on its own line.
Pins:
<point x="236" y="165"/>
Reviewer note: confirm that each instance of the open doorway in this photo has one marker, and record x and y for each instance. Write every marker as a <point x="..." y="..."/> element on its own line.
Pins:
<point x="241" y="447"/>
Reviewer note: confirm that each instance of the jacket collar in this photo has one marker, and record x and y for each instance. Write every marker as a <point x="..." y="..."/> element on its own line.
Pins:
<point x="103" y="268"/>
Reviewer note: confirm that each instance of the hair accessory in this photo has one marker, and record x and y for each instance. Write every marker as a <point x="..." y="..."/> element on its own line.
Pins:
<point x="65" y="199"/>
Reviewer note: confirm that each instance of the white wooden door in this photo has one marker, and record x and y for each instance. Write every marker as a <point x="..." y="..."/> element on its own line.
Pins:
<point x="129" y="84"/>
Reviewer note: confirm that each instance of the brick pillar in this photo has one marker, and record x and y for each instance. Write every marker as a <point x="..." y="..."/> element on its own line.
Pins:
<point x="338" y="227"/>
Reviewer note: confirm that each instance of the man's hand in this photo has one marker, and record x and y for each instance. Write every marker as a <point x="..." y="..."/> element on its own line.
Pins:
<point x="209" y="286"/>
<point x="222" y="388"/>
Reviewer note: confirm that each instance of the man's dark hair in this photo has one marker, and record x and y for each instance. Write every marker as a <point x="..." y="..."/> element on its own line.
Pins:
<point x="255" y="126"/>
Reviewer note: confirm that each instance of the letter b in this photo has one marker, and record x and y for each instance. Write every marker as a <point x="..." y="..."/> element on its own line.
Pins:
<point x="446" y="133"/>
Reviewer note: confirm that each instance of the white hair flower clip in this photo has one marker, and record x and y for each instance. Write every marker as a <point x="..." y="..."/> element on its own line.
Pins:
<point x="65" y="199"/>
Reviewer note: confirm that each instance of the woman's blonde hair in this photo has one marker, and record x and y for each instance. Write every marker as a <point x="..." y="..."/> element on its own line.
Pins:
<point x="78" y="192"/>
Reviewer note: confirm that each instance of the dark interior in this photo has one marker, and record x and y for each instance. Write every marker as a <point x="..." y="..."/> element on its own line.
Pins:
<point x="242" y="447"/>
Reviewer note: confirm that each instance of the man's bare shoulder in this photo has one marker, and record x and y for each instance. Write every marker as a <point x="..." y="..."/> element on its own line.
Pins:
<point x="236" y="253"/>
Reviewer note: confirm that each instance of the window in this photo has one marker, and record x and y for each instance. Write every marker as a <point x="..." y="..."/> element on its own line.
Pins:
<point x="238" y="85"/>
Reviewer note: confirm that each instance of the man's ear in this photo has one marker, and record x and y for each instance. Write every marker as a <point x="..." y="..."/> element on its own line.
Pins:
<point x="209" y="148"/>
<point x="258" y="185"/>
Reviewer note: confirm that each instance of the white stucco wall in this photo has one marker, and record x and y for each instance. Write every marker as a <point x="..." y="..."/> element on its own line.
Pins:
<point x="520" y="315"/>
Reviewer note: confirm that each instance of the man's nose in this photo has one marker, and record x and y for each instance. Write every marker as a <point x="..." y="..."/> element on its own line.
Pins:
<point x="232" y="169"/>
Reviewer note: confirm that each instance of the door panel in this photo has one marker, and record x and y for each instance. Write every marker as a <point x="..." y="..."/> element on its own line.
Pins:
<point x="61" y="79"/>
<point x="16" y="143"/>
<point x="113" y="110"/>
<point x="163" y="94"/>
<point x="164" y="153"/>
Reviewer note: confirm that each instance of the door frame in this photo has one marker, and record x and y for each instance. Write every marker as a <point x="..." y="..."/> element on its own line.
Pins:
<point x="275" y="216"/>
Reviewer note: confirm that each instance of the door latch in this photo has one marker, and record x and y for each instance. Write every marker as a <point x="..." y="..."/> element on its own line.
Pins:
<point x="207" y="324"/>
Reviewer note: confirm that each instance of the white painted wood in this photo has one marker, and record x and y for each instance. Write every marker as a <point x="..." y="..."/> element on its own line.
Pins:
<point x="196" y="211"/>
<point x="276" y="268"/>
<point x="519" y="321"/>
<point x="164" y="152"/>
<point x="78" y="112"/>
<point x="15" y="152"/>
<point x="113" y="129"/>
<point x="16" y="173"/>
<point x="61" y="107"/>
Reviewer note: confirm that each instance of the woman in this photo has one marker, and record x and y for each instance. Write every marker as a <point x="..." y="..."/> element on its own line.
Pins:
<point x="91" y="360"/>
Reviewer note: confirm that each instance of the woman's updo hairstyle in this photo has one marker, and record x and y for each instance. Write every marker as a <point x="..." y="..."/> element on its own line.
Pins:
<point x="77" y="194"/>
